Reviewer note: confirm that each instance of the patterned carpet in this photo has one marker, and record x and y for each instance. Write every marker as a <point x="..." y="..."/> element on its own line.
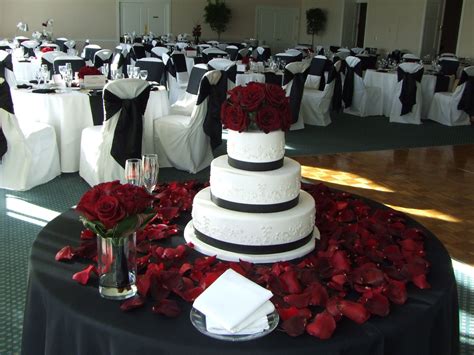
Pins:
<point x="22" y="214"/>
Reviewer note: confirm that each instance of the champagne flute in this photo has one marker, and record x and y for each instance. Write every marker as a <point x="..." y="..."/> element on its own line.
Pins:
<point x="150" y="171"/>
<point x="129" y="70"/>
<point x="143" y="74"/>
<point x="133" y="171"/>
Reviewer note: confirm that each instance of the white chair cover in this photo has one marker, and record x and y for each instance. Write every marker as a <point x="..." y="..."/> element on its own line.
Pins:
<point x="413" y="117"/>
<point x="410" y="58"/>
<point x="96" y="162"/>
<point x="449" y="55"/>
<point x="316" y="103"/>
<point x="449" y="65"/>
<point x="181" y="139"/>
<point x="228" y="67"/>
<point x="211" y="53"/>
<point x="177" y="76"/>
<point x="357" y="50"/>
<point x="294" y="80"/>
<point x="444" y="107"/>
<point x="185" y="105"/>
<point x="89" y="50"/>
<point x="366" y="100"/>
<point x="32" y="157"/>
<point x="159" y="51"/>
<point x="102" y="56"/>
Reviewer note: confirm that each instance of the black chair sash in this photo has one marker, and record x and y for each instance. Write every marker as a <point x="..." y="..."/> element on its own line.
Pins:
<point x="318" y="67"/>
<point x="5" y="64"/>
<point x="179" y="62"/>
<point x="60" y="43"/>
<point x="348" y="90"/>
<point x="449" y="67"/>
<point x="233" y="53"/>
<point x="442" y="83"/>
<point x="155" y="70"/>
<point x="98" y="61"/>
<point x="337" y="96"/>
<point x="296" y="92"/>
<point x="127" y="141"/>
<point x="4" y="48"/>
<point x="76" y="64"/>
<point x="138" y="52"/>
<point x="195" y="80"/>
<point x="265" y="55"/>
<point x="368" y="62"/>
<point x="230" y="73"/>
<point x="466" y="103"/>
<point x="272" y="78"/>
<point x="408" y="94"/>
<point x="97" y="107"/>
<point x="6" y="103"/>
<point x="216" y="94"/>
<point x="89" y="53"/>
<point x="334" y="49"/>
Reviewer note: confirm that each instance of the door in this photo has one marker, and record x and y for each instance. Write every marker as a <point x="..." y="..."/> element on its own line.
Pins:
<point x="432" y="28"/>
<point x="450" y="29"/>
<point x="362" y="12"/>
<point x="131" y="17"/>
<point x="277" y="27"/>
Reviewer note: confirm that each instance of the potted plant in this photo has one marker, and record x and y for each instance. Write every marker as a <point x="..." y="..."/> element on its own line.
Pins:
<point x="217" y="15"/>
<point x="315" y="22"/>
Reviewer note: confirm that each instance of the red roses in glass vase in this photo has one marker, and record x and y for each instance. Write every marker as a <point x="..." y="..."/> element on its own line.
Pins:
<point x="88" y="71"/>
<point x="256" y="106"/>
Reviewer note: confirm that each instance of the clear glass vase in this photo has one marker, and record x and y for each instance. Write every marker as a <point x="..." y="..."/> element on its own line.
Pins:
<point x="117" y="267"/>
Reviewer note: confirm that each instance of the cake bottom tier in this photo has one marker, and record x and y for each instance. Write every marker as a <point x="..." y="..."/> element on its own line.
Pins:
<point x="223" y="254"/>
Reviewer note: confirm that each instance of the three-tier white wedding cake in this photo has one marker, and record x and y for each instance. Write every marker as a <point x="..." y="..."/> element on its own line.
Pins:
<point x="254" y="209"/>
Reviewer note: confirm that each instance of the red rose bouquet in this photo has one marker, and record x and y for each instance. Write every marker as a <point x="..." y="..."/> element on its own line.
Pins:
<point x="88" y="71"/>
<point x="256" y="106"/>
<point x="113" y="210"/>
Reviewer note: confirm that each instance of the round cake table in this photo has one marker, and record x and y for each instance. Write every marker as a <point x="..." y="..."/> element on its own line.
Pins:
<point x="63" y="317"/>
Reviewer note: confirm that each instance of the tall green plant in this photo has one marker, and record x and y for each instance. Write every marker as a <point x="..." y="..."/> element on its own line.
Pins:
<point x="315" y="22"/>
<point x="217" y="15"/>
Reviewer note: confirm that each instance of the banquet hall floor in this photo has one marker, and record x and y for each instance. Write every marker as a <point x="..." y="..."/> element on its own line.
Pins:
<point x="434" y="185"/>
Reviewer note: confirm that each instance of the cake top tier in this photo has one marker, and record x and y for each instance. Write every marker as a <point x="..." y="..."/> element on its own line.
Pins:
<point x="255" y="150"/>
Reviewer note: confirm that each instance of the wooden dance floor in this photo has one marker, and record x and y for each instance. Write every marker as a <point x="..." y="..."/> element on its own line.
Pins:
<point x="435" y="186"/>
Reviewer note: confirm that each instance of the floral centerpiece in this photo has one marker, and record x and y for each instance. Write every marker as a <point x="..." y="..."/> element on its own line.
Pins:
<point x="86" y="70"/>
<point x="114" y="212"/>
<point x="256" y="106"/>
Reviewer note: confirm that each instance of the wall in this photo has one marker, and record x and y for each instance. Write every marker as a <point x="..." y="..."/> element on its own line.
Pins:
<point x="186" y="13"/>
<point x="78" y="20"/>
<point x="333" y="33"/>
<point x="466" y="31"/>
<point x="395" y="24"/>
<point x="349" y="24"/>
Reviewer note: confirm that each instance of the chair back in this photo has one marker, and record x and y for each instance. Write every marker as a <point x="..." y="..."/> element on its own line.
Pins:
<point x="102" y="57"/>
<point x="228" y="68"/>
<point x="60" y="42"/>
<point x="154" y="67"/>
<point x="294" y="78"/>
<point x="6" y="68"/>
<point x="320" y="70"/>
<point x="138" y="51"/>
<point x="452" y="55"/>
<point x="290" y="57"/>
<point x="158" y="52"/>
<point x="409" y="77"/>
<point x="353" y="80"/>
<point x="89" y="51"/>
<point x="29" y="47"/>
<point x="211" y="53"/>
<point x="464" y="93"/>
<point x="76" y="63"/>
<point x="262" y="53"/>
<point x="232" y="51"/>
<point x="410" y="58"/>
<point x="48" y="59"/>
<point x="449" y="65"/>
<point x="179" y="63"/>
<point x="194" y="82"/>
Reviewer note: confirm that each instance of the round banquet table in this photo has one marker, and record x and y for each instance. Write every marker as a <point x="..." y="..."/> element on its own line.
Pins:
<point x="63" y="317"/>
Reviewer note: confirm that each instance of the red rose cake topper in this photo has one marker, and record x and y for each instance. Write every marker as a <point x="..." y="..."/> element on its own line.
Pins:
<point x="257" y="106"/>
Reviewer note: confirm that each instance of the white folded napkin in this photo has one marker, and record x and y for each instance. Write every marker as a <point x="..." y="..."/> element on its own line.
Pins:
<point x="256" y="323"/>
<point x="231" y="300"/>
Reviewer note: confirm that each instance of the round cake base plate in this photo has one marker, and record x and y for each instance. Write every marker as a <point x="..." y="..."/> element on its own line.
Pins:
<point x="207" y="249"/>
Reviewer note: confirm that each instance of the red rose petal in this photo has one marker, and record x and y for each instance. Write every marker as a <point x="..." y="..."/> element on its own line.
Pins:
<point x="322" y="326"/>
<point x="318" y="294"/>
<point x="289" y="312"/>
<point x="291" y="281"/>
<point x="294" y="326"/>
<point x="300" y="301"/>
<point x="191" y="294"/>
<point x="87" y="234"/>
<point x="132" y="303"/>
<point x="168" y="308"/>
<point x="65" y="253"/>
<point x="376" y="303"/>
<point x="396" y="291"/>
<point x="354" y="311"/>
<point x="340" y="261"/>
<point x="421" y="282"/>
<point x="143" y="284"/>
<point x="83" y="276"/>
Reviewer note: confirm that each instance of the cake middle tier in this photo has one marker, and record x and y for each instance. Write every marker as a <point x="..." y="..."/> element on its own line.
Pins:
<point x="255" y="191"/>
<point x="212" y="222"/>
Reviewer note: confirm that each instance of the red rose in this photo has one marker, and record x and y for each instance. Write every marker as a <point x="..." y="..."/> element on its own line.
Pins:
<point x="233" y="117"/>
<point x="88" y="71"/>
<point x="235" y="94"/>
<point x="134" y="199"/>
<point x="86" y="205"/>
<point x="252" y="96"/>
<point x="275" y="95"/>
<point x="110" y="211"/>
<point x="268" y="119"/>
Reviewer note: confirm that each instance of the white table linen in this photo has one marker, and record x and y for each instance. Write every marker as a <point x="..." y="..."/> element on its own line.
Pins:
<point x="25" y="70"/>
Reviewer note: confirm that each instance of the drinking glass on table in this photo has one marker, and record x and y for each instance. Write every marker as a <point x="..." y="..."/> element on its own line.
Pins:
<point x="143" y="74"/>
<point x="136" y="72"/>
<point x="150" y="171"/>
<point x="105" y="69"/>
<point x="130" y="70"/>
<point x="133" y="171"/>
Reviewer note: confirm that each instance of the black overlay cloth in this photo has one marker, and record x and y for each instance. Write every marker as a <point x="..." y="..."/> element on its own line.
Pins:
<point x="127" y="141"/>
<point x="63" y="317"/>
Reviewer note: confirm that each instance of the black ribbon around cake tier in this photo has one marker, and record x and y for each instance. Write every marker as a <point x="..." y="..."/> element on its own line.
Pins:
<point x="244" y="207"/>
<point x="252" y="249"/>
<point x="250" y="166"/>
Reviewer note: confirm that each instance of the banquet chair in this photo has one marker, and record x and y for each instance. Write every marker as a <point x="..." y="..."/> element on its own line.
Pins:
<point x="185" y="142"/>
<point x="407" y="98"/>
<point x="117" y="63"/>
<point x="181" y="45"/>
<point x="137" y="51"/>
<point x="76" y="63"/>
<point x="28" y="153"/>
<point x="228" y="68"/>
<point x="6" y="68"/>
<point x="290" y="57"/>
<point x="343" y="53"/>
<point x="232" y="51"/>
<point x="449" y="65"/>
<point x="89" y="51"/>
<point x="318" y="92"/>
<point x="357" y="50"/>
<point x="242" y="53"/>
<point x="70" y="47"/>
<point x="203" y="46"/>
<point x="48" y="59"/>
<point x="29" y="47"/>
<point x="158" y="52"/>
<point x="176" y="75"/>
<point x="154" y="67"/>
<point x="334" y="49"/>
<point x="213" y="43"/>
<point x="455" y="109"/>
<point x="211" y="53"/>
<point x="359" y="99"/>
<point x="20" y="39"/>
<point x="105" y="148"/>
<point x="185" y="104"/>
<point x="60" y="42"/>
<point x="5" y="45"/>
<point x="294" y="78"/>
<point x="262" y="53"/>
<point x="102" y="56"/>
<point x="410" y="58"/>
<point x="336" y="104"/>
<point x="179" y="62"/>
<point x="452" y="55"/>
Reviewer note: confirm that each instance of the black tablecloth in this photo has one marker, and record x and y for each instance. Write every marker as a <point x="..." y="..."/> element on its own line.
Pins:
<point x="63" y="317"/>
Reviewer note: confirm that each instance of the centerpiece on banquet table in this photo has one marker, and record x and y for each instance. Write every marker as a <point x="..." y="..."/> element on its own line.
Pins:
<point x="115" y="212"/>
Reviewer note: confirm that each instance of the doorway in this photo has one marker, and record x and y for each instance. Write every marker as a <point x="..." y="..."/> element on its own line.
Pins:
<point x="277" y="27"/>
<point x="144" y="16"/>
<point x="361" y="20"/>
<point x="450" y="29"/>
